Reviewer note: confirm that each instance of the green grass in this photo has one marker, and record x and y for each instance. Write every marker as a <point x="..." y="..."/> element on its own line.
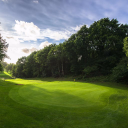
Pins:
<point x="5" y="75"/>
<point x="62" y="103"/>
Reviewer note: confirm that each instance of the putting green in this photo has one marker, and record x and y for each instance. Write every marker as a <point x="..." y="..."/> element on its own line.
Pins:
<point x="64" y="94"/>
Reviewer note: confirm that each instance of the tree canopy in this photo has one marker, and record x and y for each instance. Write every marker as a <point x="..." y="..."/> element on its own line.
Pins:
<point x="93" y="50"/>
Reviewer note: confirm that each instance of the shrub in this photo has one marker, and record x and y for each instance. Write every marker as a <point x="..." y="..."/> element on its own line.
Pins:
<point x="90" y="71"/>
<point x="120" y="72"/>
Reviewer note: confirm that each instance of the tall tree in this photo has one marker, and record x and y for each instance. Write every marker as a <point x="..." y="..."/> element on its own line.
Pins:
<point x="19" y="68"/>
<point x="3" y="50"/>
<point x="83" y="47"/>
<point x="9" y="67"/>
<point x="61" y="58"/>
<point x="30" y="67"/>
<point x="42" y="63"/>
<point x="107" y="40"/>
<point x="71" y="53"/>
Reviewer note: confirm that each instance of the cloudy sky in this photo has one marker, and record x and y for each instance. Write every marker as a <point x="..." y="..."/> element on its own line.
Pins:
<point x="29" y="25"/>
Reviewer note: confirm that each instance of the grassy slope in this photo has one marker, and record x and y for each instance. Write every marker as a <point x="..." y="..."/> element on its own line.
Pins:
<point x="52" y="103"/>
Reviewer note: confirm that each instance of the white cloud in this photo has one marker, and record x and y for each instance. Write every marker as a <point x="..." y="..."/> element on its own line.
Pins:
<point x="33" y="49"/>
<point x="27" y="50"/>
<point x="44" y="44"/>
<point x="25" y="31"/>
<point x="36" y="1"/>
<point x="15" y="50"/>
<point x="4" y="0"/>
<point x="77" y="28"/>
<point x="9" y="37"/>
<point x="28" y="31"/>
<point x="58" y="35"/>
<point x="15" y="46"/>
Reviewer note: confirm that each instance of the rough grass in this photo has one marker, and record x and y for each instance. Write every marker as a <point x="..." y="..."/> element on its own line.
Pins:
<point x="62" y="103"/>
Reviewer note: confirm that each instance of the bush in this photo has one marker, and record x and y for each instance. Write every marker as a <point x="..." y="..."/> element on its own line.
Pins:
<point x="90" y="71"/>
<point x="98" y="79"/>
<point x="120" y="72"/>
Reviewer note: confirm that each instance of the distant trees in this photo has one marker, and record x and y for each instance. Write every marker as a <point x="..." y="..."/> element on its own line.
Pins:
<point x="19" y="68"/>
<point x="3" y="50"/>
<point x="30" y="67"/>
<point x="8" y="67"/>
<point x="43" y="64"/>
<point x="4" y="64"/>
<point x="89" y="52"/>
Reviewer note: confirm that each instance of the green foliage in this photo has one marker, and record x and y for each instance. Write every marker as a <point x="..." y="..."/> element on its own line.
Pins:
<point x="90" y="52"/>
<point x="126" y="46"/>
<point x="4" y="64"/>
<point x="99" y="79"/>
<point x="120" y="72"/>
<point x="14" y="73"/>
<point x="19" y="68"/>
<point x="90" y="71"/>
<point x="3" y="48"/>
<point x="106" y="38"/>
<point x="9" y="67"/>
<point x="1" y="67"/>
<point x="43" y="64"/>
<point x="30" y="66"/>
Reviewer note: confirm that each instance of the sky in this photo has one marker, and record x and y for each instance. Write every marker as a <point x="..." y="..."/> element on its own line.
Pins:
<point x="31" y="25"/>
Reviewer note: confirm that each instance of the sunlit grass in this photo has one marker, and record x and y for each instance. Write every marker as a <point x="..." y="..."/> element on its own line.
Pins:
<point x="59" y="103"/>
<point x="5" y="75"/>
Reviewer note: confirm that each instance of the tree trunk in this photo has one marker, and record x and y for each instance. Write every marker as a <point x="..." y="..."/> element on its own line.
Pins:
<point x="62" y="69"/>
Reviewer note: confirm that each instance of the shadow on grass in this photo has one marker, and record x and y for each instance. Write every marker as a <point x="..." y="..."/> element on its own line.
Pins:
<point x="5" y="76"/>
<point x="62" y="79"/>
<point x="57" y="98"/>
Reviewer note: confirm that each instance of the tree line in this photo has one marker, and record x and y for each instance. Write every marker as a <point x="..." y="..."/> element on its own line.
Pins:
<point x="100" y="49"/>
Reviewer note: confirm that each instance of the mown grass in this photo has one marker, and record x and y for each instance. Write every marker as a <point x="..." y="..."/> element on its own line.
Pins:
<point x="5" y="75"/>
<point x="62" y="103"/>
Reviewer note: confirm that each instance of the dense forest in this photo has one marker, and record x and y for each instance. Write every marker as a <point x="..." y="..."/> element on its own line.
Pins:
<point x="98" y="50"/>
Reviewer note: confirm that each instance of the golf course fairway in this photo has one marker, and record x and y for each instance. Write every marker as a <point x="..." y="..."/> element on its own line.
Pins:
<point x="54" y="103"/>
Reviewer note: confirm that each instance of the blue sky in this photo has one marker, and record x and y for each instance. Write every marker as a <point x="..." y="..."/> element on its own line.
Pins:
<point x="29" y="25"/>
